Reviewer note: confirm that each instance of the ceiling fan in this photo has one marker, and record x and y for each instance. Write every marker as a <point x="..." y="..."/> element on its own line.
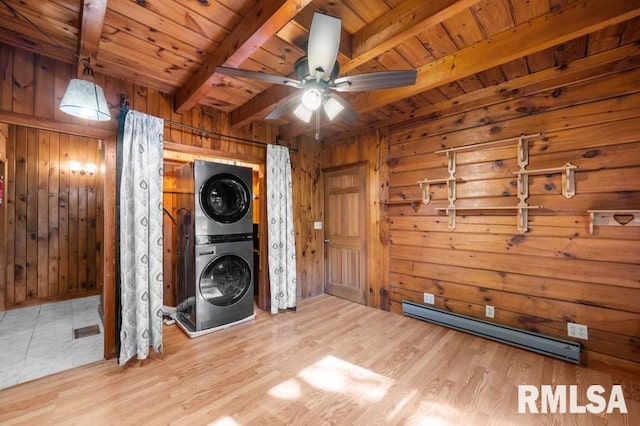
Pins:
<point x="317" y="74"/>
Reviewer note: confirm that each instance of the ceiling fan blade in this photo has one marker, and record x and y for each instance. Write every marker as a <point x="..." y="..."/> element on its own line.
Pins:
<point x="346" y="111"/>
<point x="283" y="109"/>
<point x="375" y="81"/>
<point x="256" y="75"/>
<point x="324" y="41"/>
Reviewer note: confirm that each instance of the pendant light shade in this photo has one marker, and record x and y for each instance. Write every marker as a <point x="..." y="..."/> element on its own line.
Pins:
<point x="85" y="99"/>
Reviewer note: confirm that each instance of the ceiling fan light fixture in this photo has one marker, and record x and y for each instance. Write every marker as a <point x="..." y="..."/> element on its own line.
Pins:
<point x="303" y="113"/>
<point x="312" y="99"/>
<point x="332" y="108"/>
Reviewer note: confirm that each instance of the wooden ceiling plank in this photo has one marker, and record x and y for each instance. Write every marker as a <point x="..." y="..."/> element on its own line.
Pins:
<point x="541" y="60"/>
<point x="56" y="32"/>
<point x="437" y="41"/>
<point x="493" y="16"/>
<point x="133" y="72"/>
<point x="125" y="42"/>
<point x="91" y="23"/>
<point x="117" y="23"/>
<point x="264" y="21"/>
<point x="403" y="22"/>
<point x="134" y="15"/>
<point x="608" y="38"/>
<point x="572" y="21"/>
<point x="463" y="29"/>
<point x="149" y="65"/>
<point x="61" y="15"/>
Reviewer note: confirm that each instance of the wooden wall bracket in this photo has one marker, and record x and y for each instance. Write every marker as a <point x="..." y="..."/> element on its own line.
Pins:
<point x="568" y="178"/>
<point x="522" y="209"/>
<point x="451" y="181"/>
<point x="613" y="218"/>
<point x="451" y="188"/>
<point x="415" y="204"/>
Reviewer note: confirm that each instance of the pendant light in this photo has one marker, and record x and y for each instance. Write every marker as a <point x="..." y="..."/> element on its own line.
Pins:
<point x="84" y="98"/>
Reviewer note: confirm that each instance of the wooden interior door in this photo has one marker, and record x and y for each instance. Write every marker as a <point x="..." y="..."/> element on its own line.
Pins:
<point x="345" y="233"/>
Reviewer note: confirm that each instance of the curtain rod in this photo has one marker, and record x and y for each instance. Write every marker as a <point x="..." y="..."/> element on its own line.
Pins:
<point x="124" y="106"/>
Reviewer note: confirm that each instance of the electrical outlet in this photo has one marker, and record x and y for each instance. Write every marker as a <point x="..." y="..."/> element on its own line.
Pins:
<point x="429" y="298"/>
<point x="577" y="330"/>
<point x="489" y="311"/>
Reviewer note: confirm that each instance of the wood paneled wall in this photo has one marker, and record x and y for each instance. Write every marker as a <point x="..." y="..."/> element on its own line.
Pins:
<point x="307" y="185"/>
<point x="557" y="272"/>
<point x="31" y="86"/>
<point x="308" y="164"/>
<point x="51" y="240"/>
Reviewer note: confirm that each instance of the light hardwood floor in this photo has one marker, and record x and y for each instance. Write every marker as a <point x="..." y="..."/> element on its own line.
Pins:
<point x="331" y="362"/>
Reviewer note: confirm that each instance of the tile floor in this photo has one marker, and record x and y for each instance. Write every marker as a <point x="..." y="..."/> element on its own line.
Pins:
<point x="39" y="340"/>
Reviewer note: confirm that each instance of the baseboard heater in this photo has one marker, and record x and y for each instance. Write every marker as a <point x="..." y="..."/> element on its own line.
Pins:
<point x="557" y="348"/>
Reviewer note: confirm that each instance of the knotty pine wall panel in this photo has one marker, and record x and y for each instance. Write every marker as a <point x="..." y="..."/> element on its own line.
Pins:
<point x="555" y="273"/>
<point x="307" y="182"/>
<point x="52" y="240"/>
<point x="366" y="148"/>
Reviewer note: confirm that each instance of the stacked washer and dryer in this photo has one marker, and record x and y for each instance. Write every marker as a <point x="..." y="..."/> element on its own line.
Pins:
<point x="215" y="247"/>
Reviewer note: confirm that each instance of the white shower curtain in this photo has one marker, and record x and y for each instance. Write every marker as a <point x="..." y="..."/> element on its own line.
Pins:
<point x="141" y="236"/>
<point x="282" y="249"/>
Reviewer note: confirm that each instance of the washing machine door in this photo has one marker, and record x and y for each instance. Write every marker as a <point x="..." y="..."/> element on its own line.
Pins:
<point x="225" y="280"/>
<point x="225" y="198"/>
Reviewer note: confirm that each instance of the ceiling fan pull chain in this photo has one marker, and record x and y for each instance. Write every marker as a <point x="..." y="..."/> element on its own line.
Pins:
<point x="318" y="125"/>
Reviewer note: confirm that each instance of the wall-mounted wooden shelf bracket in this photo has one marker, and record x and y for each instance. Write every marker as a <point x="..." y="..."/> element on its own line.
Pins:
<point x="613" y="218"/>
<point x="425" y="185"/>
<point x="451" y="182"/>
<point x="491" y="144"/>
<point x="568" y="178"/>
<point x="415" y="204"/>
<point x="523" y="214"/>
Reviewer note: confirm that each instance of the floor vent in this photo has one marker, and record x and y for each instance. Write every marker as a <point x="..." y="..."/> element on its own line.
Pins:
<point x="557" y="348"/>
<point x="91" y="330"/>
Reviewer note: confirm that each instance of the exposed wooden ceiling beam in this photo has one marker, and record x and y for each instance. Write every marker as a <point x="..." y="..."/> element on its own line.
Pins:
<point x="401" y="23"/>
<point x="566" y="23"/>
<point x="264" y="21"/>
<point x="91" y="22"/>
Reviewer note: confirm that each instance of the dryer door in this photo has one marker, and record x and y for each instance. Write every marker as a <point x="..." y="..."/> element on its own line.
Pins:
<point x="225" y="280"/>
<point x="225" y="198"/>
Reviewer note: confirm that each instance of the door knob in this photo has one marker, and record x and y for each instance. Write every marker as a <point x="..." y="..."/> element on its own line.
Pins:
<point x="326" y="240"/>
